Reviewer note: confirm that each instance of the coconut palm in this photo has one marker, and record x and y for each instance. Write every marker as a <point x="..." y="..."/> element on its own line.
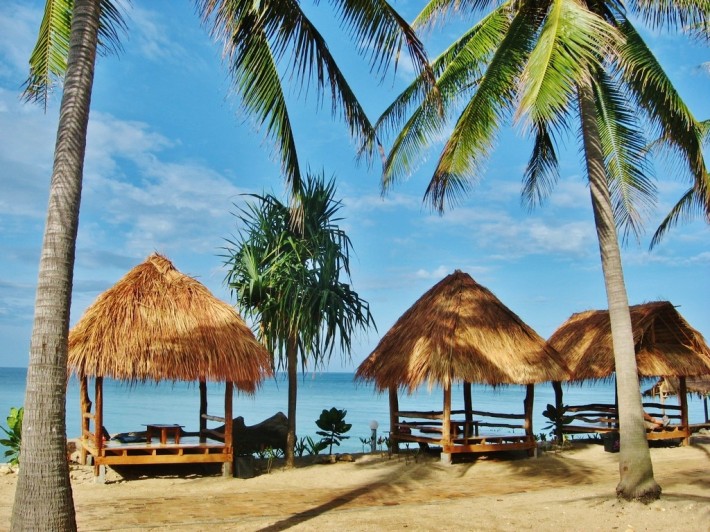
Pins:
<point x="550" y="63"/>
<point x="43" y="497"/>
<point x="288" y="278"/>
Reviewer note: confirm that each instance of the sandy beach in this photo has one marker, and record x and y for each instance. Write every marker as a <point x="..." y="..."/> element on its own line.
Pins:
<point x="568" y="490"/>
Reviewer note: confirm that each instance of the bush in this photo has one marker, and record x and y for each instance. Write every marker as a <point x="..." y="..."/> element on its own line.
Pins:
<point x="14" y="433"/>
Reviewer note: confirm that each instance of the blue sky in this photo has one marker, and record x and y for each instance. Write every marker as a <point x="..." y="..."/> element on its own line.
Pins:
<point x="170" y="152"/>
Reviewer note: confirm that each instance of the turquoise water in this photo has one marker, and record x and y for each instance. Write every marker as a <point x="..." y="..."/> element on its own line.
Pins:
<point x="129" y="408"/>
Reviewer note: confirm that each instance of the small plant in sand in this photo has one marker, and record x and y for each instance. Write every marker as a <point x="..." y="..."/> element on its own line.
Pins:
<point x="333" y="426"/>
<point x="14" y="433"/>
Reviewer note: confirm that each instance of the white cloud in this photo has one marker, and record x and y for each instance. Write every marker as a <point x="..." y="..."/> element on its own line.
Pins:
<point x="436" y="274"/>
<point x="19" y="25"/>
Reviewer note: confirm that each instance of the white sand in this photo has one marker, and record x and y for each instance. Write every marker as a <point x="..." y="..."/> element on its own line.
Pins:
<point x="570" y="490"/>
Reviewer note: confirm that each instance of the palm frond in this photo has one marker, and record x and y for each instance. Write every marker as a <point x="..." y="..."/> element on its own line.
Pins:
<point x="474" y="133"/>
<point x="48" y="62"/>
<point x="677" y="129"/>
<point x="439" y="11"/>
<point x="686" y="208"/>
<point x="629" y="173"/>
<point x="572" y="41"/>
<point x="460" y="69"/>
<point x="672" y="14"/>
<point x="466" y="55"/>
<point x="542" y="171"/>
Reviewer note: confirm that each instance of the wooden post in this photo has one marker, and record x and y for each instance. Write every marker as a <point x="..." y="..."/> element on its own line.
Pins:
<point x="227" y="467"/>
<point x="529" y="400"/>
<point x="683" y="398"/>
<point x="85" y="402"/>
<point x="706" y="410"/>
<point x="446" y="425"/>
<point x="203" y="411"/>
<point x="98" y="422"/>
<point x="468" y="406"/>
<point x="394" y="419"/>
<point x="559" y="426"/>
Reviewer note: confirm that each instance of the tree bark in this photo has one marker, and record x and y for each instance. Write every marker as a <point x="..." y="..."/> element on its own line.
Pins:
<point x="635" y="467"/>
<point x="43" y="497"/>
<point x="292" y="361"/>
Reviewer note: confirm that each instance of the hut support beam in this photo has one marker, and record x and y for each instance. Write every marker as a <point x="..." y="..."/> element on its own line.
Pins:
<point x="683" y="398"/>
<point x="529" y="400"/>
<point x="557" y="386"/>
<point x="85" y="412"/>
<point x="394" y="419"/>
<point x="98" y="423"/>
<point x="446" y="424"/>
<point x="468" y="407"/>
<point x="227" y="467"/>
<point x="203" y="411"/>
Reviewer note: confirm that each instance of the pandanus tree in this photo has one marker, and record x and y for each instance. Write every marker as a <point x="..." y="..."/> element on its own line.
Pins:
<point x="559" y="65"/>
<point x="289" y="278"/>
<point x="257" y="36"/>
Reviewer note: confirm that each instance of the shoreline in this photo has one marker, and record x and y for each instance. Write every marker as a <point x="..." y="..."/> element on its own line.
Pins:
<point x="573" y="488"/>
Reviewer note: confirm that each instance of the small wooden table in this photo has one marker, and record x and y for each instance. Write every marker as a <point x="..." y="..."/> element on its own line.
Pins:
<point x="165" y="430"/>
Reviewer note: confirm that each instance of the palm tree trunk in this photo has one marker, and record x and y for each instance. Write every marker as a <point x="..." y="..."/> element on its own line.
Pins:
<point x="635" y="467"/>
<point x="43" y="497"/>
<point x="292" y="361"/>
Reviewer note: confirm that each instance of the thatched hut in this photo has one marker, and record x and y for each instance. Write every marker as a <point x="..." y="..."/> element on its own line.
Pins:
<point x="458" y="331"/>
<point x="157" y="324"/>
<point x="665" y="344"/>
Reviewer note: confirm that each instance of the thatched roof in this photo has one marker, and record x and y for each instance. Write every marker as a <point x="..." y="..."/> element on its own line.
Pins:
<point x="666" y="345"/>
<point x="460" y="331"/>
<point x="670" y="386"/>
<point x="159" y="324"/>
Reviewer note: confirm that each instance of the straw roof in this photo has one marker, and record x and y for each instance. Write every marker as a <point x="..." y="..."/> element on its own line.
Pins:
<point x="666" y="345"/>
<point x="670" y="386"/>
<point x="159" y="324"/>
<point x="460" y="331"/>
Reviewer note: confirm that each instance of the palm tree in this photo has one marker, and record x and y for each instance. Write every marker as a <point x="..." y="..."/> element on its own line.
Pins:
<point x="287" y="278"/>
<point x="43" y="497"/>
<point x="549" y="62"/>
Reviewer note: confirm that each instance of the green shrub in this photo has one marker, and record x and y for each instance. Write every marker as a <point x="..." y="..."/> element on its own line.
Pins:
<point x="333" y="426"/>
<point x="14" y="433"/>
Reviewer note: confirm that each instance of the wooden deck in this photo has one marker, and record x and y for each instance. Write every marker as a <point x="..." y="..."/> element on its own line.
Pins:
<point x="189" y="450"/>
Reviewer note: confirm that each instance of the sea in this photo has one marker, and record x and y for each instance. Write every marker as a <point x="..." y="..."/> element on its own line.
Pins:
<point x="130" y="407"/>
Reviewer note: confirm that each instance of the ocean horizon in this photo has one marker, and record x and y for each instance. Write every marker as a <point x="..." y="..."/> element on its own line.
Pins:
<point x="130" y="407"/>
